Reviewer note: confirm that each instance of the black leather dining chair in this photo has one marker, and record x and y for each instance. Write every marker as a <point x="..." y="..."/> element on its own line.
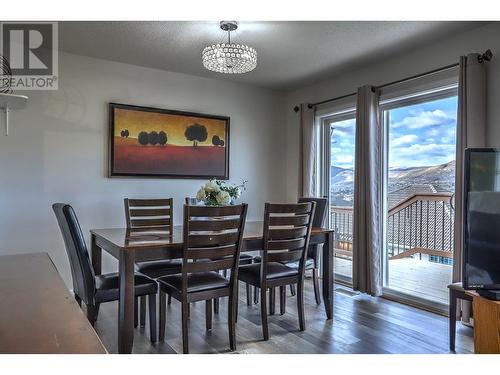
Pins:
<point x="212" y="242"/>
<point x="286" y="233"/>
<point x="96" y="289"/>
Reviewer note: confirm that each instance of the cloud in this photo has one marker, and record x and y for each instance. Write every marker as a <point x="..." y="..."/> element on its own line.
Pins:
<point x="423" y="119"/>
<point x="342" y="159"/>
<point x="404" y="140"/>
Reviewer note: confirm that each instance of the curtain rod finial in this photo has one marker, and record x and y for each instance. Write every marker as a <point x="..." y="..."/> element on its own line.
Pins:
<point x="487" y="56"/>
<point x="296" y="108"/>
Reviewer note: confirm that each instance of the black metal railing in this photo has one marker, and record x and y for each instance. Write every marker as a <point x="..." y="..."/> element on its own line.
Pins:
<point x="420" y="224"/>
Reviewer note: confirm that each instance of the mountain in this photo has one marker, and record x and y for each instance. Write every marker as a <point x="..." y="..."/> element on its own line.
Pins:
<point x="438" y="178"/>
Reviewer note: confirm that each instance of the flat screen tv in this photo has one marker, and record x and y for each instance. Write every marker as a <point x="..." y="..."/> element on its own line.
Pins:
<point x="481" y="219"/>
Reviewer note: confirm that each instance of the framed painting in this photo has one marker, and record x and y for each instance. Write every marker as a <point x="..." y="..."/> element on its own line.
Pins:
<point x="152" y="142"/>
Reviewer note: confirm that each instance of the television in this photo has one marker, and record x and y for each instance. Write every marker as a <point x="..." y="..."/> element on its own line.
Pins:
<point x="481" y="265"/>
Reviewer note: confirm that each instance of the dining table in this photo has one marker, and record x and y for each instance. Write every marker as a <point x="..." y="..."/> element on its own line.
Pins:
<point x="129" y="246"/>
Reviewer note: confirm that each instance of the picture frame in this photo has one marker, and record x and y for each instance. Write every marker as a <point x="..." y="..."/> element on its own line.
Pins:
<point x="164" y="143"/>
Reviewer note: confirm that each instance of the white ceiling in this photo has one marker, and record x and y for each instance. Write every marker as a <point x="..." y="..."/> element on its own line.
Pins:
<point x="290" y="54"/>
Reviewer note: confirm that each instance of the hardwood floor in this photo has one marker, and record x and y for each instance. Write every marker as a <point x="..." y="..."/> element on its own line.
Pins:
<point x="361" y="324"/>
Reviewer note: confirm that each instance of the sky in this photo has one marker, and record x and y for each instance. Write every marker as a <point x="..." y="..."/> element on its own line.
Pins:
<point x="419" y="135"/>
<point x="175" y="126"/>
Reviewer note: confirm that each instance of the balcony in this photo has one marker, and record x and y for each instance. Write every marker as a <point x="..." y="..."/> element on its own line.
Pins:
<point x="419" y="245"/>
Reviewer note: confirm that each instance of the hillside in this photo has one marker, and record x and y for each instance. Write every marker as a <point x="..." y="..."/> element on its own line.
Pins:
<point x="440" y="177"/>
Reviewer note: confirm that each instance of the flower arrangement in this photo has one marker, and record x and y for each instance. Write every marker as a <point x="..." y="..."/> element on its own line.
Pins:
<point x="217" y="193"/>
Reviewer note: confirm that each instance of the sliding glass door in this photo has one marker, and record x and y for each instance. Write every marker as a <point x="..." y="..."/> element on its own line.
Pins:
<point x="339" y="138"/>
<point x="419" y="186"/>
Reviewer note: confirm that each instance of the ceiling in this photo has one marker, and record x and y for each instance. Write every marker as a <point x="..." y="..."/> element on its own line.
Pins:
<point x="290" y="54"/>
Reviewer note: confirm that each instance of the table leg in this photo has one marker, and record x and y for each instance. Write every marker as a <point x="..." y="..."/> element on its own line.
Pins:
<point x="96" y="255"/>
<point x="327" y="260"/>
<point x="126" y="304"/>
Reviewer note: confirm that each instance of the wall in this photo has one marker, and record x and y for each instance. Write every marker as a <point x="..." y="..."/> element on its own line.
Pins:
<point x="425" y="58"/>
<point x="57" y="150"/>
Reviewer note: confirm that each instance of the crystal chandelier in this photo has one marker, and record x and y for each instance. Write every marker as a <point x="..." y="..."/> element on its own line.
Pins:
<point x="229" y="58"/>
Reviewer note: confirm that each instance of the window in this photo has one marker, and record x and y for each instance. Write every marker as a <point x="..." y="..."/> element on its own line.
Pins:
<point x="338" y="139"/>
<point x="420" y="136"/>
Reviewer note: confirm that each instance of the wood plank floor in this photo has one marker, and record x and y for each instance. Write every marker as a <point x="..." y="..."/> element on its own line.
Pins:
<point x="412" y="276"/>
<point x="361" y="324"/>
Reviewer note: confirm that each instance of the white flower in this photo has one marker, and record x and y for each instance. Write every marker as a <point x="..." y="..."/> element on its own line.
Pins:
<point x="223" y="198"/>
<point x="200" y="195"/>
<point x="238" y="193"/>
<point x="212" y="186"/>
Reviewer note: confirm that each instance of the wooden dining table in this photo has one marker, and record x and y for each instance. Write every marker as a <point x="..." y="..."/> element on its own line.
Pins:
<point x="129" y="246"/>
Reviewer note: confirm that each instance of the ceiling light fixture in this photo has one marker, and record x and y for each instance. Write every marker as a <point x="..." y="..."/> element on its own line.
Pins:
<point x="229" y="58"/>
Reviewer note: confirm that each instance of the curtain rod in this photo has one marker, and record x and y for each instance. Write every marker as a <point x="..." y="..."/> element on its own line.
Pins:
<point x="487" y="56"/>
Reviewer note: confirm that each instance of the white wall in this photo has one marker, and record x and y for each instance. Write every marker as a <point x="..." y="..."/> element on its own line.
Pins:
<point x="57" y="150"/>
<point x="425" y="58"/>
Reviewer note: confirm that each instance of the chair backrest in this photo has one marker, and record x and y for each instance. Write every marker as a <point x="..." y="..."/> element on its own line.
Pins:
<point x="287" y="228"/>
<point x="320" y="211"/>
<point x="150" y="214"/>
<point x="191" y="201"/>
<point x="212" y="239"/>
<point x="79" y="260"/>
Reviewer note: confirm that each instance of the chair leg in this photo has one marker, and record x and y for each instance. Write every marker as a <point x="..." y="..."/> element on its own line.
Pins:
<point x="136" y="312"/>
<point x="272" y="301"/>
<point x="232" y="320"/>
<point x="152" y="317"/>
<point x="78" y="300"/>
<point x="282" y="299"/>
<point x="163" y="316"/>
<point x="453" y="319"/>
<point x="236" y="299"/>
<point x="142" y="316"/>
<point x="300" y="304"/>
<point x="292" y="289"/>
<point x="216" y="305"/>
<point x="249" y="294"/>
<point x="185" y="343"/>
<point x="92" y="312"/>
<point x="208" y="314"/>
<point x="263" y="314"/>
<point x="255" y="295"/>
<point x="317" y="293"/>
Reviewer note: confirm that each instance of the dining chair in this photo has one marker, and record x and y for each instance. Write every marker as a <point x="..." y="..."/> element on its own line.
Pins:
<point x="96" y="289"/>
<point x="244" y="259"/>
<point x="313" y="255"/>
<point x="286" y="233"/>
<point x="143" y="215"/>
<point x="214" y="235"/>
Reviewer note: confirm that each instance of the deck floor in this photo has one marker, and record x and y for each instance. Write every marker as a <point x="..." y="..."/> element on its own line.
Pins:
<point x="412" y="276"/>
<point x="361" y="324"/>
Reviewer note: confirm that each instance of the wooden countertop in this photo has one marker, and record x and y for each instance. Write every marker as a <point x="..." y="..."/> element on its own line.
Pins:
<point x="37" y="312"/>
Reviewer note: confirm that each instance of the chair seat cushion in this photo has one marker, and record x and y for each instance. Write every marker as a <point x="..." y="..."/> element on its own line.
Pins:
<point x="197" y="282"/>
<point x="108" y="287"/>
<point x="246" y="259"/>
<point x="295" y="264"/>
<point x="251" y="273"/>
<point x="158" y="268"/>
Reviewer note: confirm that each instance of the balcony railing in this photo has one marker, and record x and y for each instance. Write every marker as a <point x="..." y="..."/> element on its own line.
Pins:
<point x="420" y="224"/>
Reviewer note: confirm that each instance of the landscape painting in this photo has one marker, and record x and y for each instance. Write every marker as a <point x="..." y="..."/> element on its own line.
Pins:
<point x="153" y="142"/>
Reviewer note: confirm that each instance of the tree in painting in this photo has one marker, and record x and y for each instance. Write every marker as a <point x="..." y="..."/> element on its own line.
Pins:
<point x="196" y="133"/>
<point x="162" y="138"/>
<point x="153" y="138"/>
<point x="216" y="141"/>
<point x="143" y="138"/>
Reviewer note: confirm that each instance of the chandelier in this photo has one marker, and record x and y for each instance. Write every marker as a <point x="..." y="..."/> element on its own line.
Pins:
<point x="229" y="58"/>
